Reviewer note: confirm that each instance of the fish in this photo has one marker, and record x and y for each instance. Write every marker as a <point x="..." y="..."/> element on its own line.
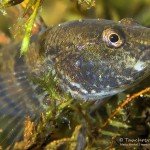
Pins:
<point x="92" y="59"/>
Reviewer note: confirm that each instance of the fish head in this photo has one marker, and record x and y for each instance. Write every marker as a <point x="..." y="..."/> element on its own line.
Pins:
<point x="94" y="58"/>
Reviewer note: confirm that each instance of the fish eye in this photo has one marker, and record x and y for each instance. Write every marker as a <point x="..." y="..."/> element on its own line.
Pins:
<point x="112" y="38"/>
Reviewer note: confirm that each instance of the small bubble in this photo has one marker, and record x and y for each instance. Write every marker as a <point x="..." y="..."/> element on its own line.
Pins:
<point x="141" y="95"/>
<point x="108" y="86"/>
<point x="128" y="96"/>
<point x="3" y="12"/>
<point x="100" y="76"/>
<point x="93" y="91"/>
<point x="77" y="63"/>
<point x="35" y="25"/>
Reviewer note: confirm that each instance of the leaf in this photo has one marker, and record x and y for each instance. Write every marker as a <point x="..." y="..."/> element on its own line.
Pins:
<point x="28" y="27"/>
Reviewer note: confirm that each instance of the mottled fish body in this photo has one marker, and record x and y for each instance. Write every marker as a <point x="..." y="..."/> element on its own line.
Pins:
<point x="92" y="59"/>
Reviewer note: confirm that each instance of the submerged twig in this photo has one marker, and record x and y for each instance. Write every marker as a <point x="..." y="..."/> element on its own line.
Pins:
<point x="124" y="103"/>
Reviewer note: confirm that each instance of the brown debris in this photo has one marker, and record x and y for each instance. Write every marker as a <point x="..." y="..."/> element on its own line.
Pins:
<point x="4" y="39"/>
<point x="28" y="135"/>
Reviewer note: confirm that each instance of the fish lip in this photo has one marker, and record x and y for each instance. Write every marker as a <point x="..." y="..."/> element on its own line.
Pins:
<point x="97" y="96"/>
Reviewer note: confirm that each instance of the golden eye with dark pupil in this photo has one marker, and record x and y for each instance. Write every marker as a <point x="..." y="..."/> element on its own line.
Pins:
<point x="114" y="38"/>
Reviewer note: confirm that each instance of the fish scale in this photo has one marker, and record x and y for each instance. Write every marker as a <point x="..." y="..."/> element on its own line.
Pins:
<point x="92" y="59"/>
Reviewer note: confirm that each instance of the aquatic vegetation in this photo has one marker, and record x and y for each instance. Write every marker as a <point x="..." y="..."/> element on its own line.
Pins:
<point x="84" y="132"/>
<point x="29" y="25"/>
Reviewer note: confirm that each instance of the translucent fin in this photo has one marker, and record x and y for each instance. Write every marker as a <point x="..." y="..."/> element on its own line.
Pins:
<point x="18" y="100"/>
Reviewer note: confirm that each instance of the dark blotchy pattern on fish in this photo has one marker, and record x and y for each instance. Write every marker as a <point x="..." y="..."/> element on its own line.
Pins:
<point x="89" y="65"/>
<point x="91" y="59"/>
